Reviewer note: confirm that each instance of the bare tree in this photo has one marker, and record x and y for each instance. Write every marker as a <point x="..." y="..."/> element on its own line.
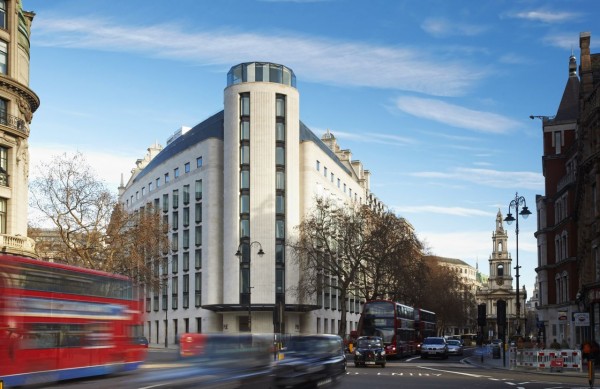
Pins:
<point x="395" y="265"/>
<point x="448" y="296"/>
<point x="330" y="251"/>
<point x="91" y="228"/>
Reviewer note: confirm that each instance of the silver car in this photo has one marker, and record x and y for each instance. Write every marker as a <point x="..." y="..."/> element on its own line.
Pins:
<point x="434" y="347"/>
<point x="455" y="347"/>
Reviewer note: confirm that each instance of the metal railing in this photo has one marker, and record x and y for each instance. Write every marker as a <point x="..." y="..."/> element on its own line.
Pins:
<point x="13" y="122"/>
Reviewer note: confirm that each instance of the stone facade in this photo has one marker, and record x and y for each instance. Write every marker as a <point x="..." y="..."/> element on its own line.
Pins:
<point x="17" y="105"/>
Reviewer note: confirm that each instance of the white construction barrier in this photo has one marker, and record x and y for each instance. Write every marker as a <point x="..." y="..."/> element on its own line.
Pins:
<point x="553" y="360"/>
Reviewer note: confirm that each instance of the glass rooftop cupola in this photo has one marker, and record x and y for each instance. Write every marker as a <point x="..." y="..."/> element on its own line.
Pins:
<point x="261" y="72"/>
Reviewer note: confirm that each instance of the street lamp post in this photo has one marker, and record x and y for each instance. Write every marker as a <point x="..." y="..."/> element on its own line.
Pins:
<point x="515" y="204"/>
<point x="241" y="253"/>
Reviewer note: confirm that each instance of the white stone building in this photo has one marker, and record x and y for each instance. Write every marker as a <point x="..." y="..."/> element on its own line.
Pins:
<point x="239" y="183"/>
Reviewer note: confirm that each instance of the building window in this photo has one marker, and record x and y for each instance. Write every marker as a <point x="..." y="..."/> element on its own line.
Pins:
<point x="186" y="292"/>
<point x="198" y="213"/>
<point x="186" y="167"/>
<point x="186" y="216"/>
<point x="3" y="57"/>
<point x="3" y="166"/>
<point x="165" y="205"/>
<point x="245" y="104"/>
<point x="198" y="235"/>
<point x="245" y="130"/>
<point x="279" y="253"/>
<point x="186" y="194"/>
<point x="174" y="264"/>
<point x="338" y="183"/>
<point x="280" y="180"/>
<point x="3" y="14"/>
<point x="279" y="280"/>
<point x="174" y="292"/>
<point x="186" y="239"/>
<point x="158" y="182"/>
<point x="318" y="166"/>
<point x="244" y="228"/>
<point x="175" y="241"/>
<point x="198" y="289"/>
<point x="245" y="154"/>
<point x="279" y="229"/>
<point x="186" y="261"/>
<point x="245" y="179"/>
<point x="280" y="155"/>
<point x="2" y="216"/>
<point x="150" y="187"/>
<point x="245" y="203"/>
<point x="280" y="132"/>
<point x="280" y="106"/>
<point x="175" y="198"/>
<point x="175" y="220"/>
<point x="279" y="204"/>
<point x="167" y="179"/>
<point x="198" y="259"/>
<point x="198" y="162"/>
<point x="198" y="190"/>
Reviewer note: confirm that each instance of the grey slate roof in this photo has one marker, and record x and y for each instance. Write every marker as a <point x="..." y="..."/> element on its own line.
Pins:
<point x="213" y="128"/>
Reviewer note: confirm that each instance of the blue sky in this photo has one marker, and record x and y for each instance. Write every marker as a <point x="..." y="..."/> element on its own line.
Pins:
<point x="433" y="97"/>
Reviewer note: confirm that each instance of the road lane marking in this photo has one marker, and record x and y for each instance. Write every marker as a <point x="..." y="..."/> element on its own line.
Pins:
<point x="456" y="372"/>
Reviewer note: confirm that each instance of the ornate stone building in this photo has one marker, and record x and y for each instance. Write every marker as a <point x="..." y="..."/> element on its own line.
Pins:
<point x="17" y="105"/>
<point x="499" y="284"/>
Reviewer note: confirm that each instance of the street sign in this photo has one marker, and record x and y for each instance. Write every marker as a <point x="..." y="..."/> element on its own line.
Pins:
<point x="581" y="319"/>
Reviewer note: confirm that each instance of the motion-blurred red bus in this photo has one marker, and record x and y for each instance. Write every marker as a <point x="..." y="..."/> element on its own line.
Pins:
<point x="393" y="322"/>
<point x="62" y="322"/>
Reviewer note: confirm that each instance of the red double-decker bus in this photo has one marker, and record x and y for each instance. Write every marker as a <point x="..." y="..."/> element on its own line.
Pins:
<point x="62" y="322"/>
<point x="393" y="322"/>
<point x="425" y="325"/>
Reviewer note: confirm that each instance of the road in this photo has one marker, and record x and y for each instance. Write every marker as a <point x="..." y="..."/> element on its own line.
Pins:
<point x="453" y="372"/>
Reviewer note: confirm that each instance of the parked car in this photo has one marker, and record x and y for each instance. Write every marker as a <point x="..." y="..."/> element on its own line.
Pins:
<point x="141" y="340"/>
<point x="434" y="347"/>
<point x="455" y="347"/>
<point x="370" y="350"/>
<point x="311" y="360"/>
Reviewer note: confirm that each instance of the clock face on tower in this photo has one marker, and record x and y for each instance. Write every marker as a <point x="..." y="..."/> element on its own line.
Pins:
<point x="500" y="281"/>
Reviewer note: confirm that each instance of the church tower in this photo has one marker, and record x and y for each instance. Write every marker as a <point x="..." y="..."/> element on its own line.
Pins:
<point x="500" y="261"/>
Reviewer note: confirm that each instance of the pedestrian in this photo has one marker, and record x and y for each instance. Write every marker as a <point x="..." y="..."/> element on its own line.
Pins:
<point x="555" y="345"/>
<point x="586" y="350"/>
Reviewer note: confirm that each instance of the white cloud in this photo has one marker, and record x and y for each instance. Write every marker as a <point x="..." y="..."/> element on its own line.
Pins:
<point x="455" y="115"/>
<point x="492" y="178"/>
<point x="317" y="59"/>
<point x="547" y="16"/>
<point x="439" y="27"/>
<point x="453" y="211"/>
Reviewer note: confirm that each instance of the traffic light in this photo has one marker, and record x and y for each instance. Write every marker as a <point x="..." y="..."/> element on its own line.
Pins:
<point x="481" y="313"/>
